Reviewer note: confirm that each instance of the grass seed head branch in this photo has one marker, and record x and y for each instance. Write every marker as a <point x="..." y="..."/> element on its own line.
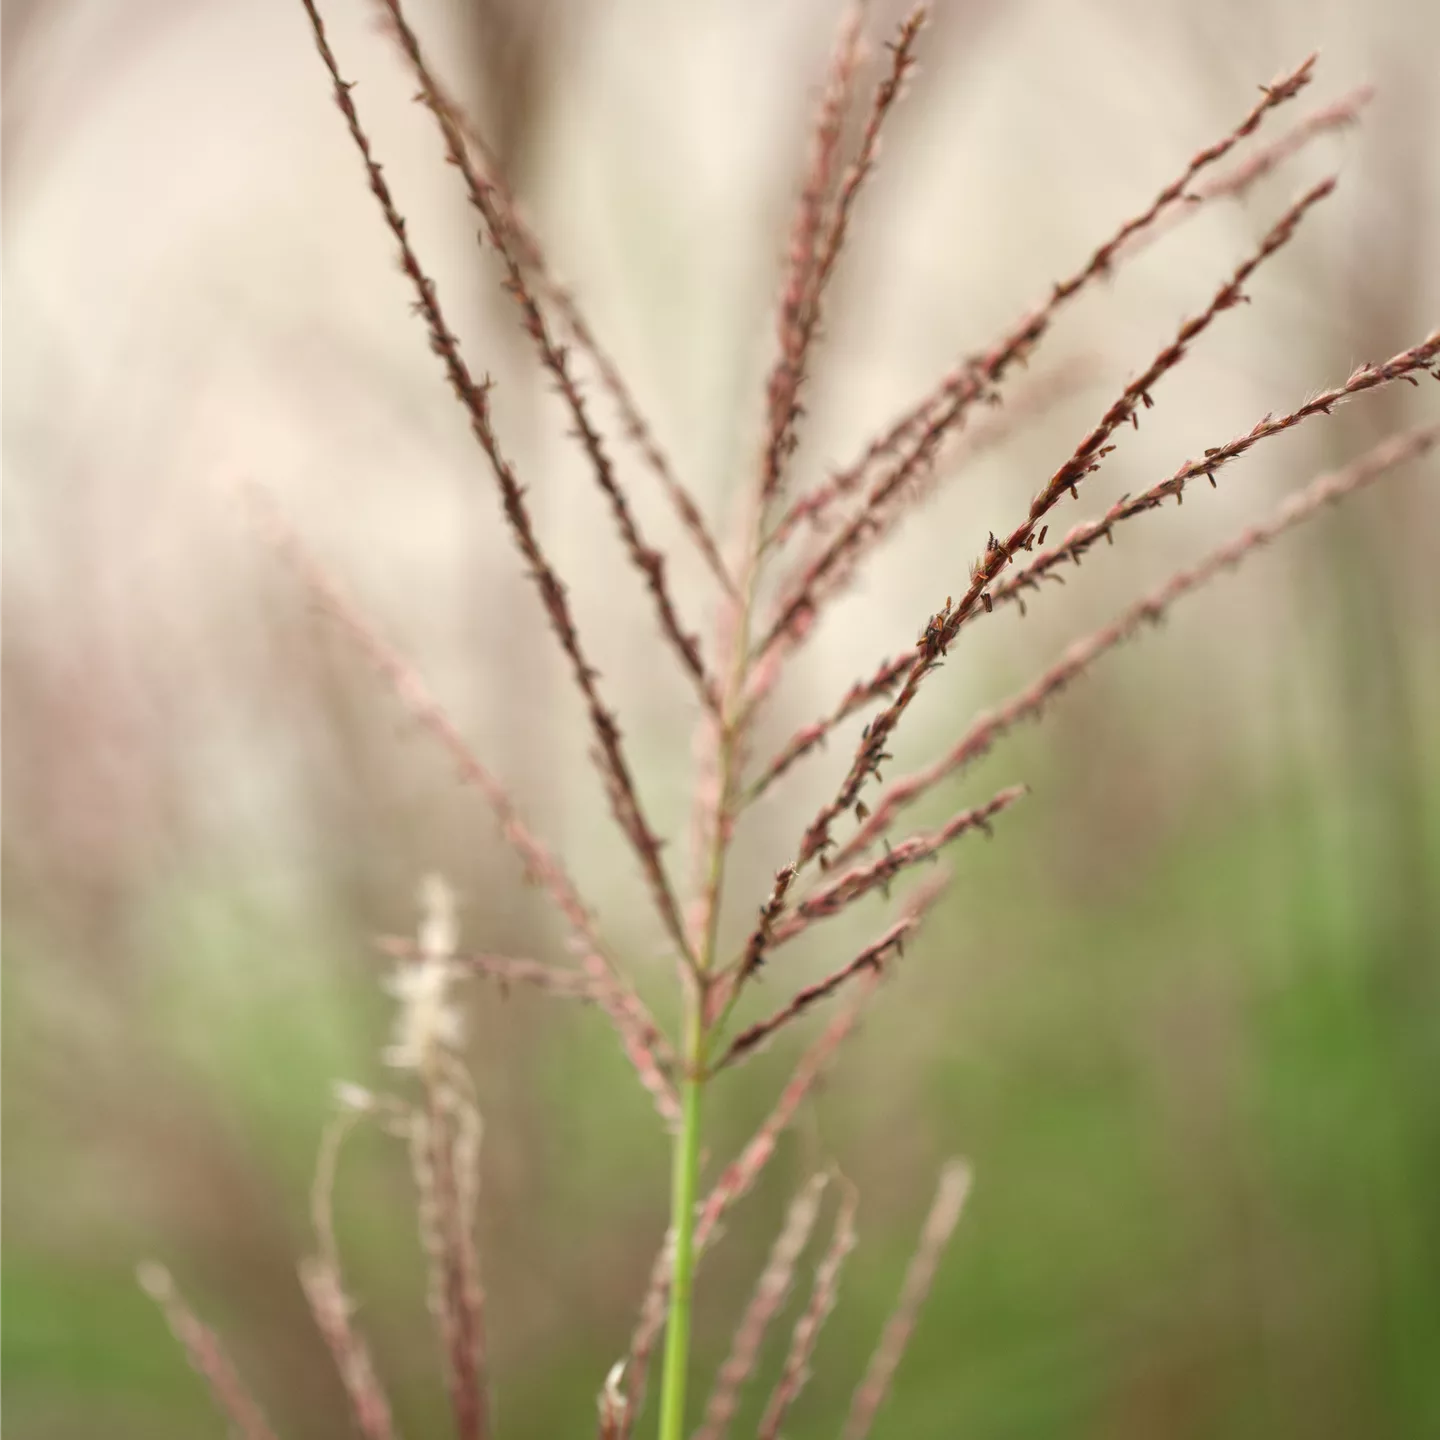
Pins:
<point x="444" y="1136"/>
<point x="802" y="591"/>
<point x="845" y="889"/>
<point x="1085" y="459"/>
<point x="526" y="246"/>
<point x="879" y="686"/>
<point x="439" y="1148"/>
<point x="323" y="1284"/>
<point x="507" y="970"/>
<point x="950" y="1197"/>
<point x="490" y="204"/>
<point x="1045" y="563"/>
<point x="975" y="377"/>
<point x="902" y="61"/>
<point x="870" y="960"/>
<point x="638" y="1031"/>
<point x="766" y="1301"/>
<point x="823" y="1294"/>
<point x="1418" y="359"/>
<point x="1240" y="179"/>
<point x="798" y="294"/>
<point x="800" y="324"/>
<point x="742" y="1172"/>
<point x="614" y="767"/>
<point x="206" y="1355"/>
<point x="1030" y="702"/>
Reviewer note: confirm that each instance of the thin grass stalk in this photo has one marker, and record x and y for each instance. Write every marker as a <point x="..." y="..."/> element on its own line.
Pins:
<point x="322" y="1280"/>
<point x="870" y="961"/>
<point x="950" y="1197"/>
<point x="796" y="1371"/>
<point x="206" y="1355"/>
<point x="740" y="1176"/>
<point x="765" y="1303"/>
<point x="444" y="1135"/>
<point x="684" y="1193"/>
<point x="506" y="971"/>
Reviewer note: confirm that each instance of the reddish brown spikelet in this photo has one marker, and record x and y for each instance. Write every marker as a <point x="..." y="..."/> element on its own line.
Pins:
<point x="742" y="1173"/>
<point x="1027" y="577"/>
<point x="802" y="309"/>
<point x="525" y="245"/>
<point x="877" y="522"/>
<point x="1082" y="462"/>
<point x="614" y="767"/>
<point x="207" y="1355"/>
<point x="823" y="1294"/>
<point x="975" y="377"/>
<point x="902" y="61"/>
<point x="1239" y="179"/>
<point x="637" y="1030"/>
<point x="1418" y="359"/>
<point x="771" y="911"/>
<point x="871" y="960"/>
<point x="765" y="1302"/>
<point x="940" y="1223"/>
<point x="878" y="686"/>
<point x="1030" y="702"/>
<point x="843" y="891"/>
<point x="795" y="326"/>
<point x="491" y="206"/>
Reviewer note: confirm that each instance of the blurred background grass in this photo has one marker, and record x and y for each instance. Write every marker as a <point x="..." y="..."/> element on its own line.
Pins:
<point x="1182" y="1014"/>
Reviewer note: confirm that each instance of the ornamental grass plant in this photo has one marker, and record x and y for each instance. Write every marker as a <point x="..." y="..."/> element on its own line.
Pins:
<point x="784" y="551"/>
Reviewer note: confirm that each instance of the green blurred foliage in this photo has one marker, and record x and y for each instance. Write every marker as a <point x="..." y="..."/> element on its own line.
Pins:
<point x="1203" y="1127"/>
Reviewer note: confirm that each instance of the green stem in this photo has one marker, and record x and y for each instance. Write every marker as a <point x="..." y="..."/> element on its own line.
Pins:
<point x="685" y="1174"/>
<point x="685" y="1186"/>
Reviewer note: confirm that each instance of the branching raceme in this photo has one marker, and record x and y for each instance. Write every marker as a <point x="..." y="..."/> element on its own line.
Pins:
<point x="800" y="550"/>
